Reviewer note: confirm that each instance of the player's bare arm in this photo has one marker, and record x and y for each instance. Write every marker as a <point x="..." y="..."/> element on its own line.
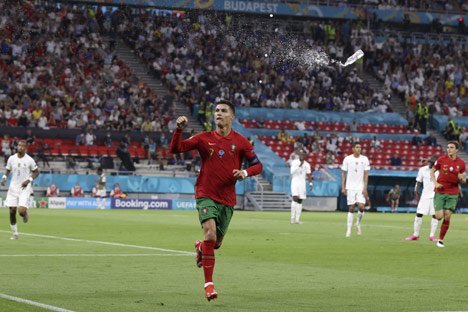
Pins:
<point x="434" y="180"/>
<point x="343" y="182"/>
<point x="462" y="178"/>
<point x="366" y="180"/>
<point x="5" y="176"/>
<point x="34" y="174"/>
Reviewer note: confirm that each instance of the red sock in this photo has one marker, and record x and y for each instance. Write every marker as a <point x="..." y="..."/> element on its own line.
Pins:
<point x="443" y="229"/>
<point x="208" y="260"/>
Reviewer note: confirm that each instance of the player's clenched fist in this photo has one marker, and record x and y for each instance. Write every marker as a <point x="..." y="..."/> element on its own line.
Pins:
<point x="182" y="122"/>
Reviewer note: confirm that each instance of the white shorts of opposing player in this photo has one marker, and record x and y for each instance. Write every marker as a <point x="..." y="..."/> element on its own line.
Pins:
<point x="101" y="200"/>
<point x="18" y="197"/>
<point x="425" y="207"/>
<point x="354" y="197"/>
<point x="299" y="190"/>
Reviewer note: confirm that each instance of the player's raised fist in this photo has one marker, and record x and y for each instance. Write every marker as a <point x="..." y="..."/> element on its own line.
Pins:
<point x="182" y="122"/>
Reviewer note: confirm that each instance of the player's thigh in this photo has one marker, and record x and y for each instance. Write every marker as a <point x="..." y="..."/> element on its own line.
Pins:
<point x="12" y="198"/>
<point x="23" y="199"/>
<point x="360" y="199"/>
<point x="351" y="197"/>
<point x="426" y="206"/>
<point x="206" y="209"/>
<point x="297" y="189"/>
<point x="224" y="219"/>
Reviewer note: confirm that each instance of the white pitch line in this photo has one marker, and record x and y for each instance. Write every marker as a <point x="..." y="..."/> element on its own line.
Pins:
<point x="33" y="303"/>
<point x="95" y="255"/>
<point x="103" y="243"/>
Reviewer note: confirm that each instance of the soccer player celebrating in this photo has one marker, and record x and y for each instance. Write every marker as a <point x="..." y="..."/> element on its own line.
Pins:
<point x="300" y="169"/>
<point x="451" y="172"/>
<point x="354" y="178"/>
<point x="24" y="171"/>
<point x="222" y="152"/>
<point x="426" y="201"/>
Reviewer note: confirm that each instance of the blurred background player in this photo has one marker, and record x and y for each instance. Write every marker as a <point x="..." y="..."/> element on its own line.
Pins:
<point x="77" y="190"/>
<point x="426" y="200"/>
<point x="394" y="197"/>
<point x="222" y="152"/>
<point x="300" y="170"/>
<point x="24" y="170"/>
<point x="101" y="189"/>
<point x="354" y="178"/>
<point x="52" y="191"/>
<point x="451" y="173"/>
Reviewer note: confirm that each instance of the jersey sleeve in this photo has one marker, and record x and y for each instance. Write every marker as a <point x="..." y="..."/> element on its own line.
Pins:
<point x="254" y="165"/>
<point x="463" y="167"/>
<point x="9" y="165"/>
<point x="179" y="146"/>
<point x="419" y="177"/>
<point x="344" y="167"/>
<point x="437" y="164"/>
<point x="367" y="165"/>
<point x="32" y="165"/>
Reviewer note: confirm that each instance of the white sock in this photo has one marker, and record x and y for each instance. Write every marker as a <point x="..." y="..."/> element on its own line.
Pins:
<point x="359" y="218"/>
<point x="293" y="211"/>
<point x="434" y="224"/>
<point x="298" y="212"/>
<point x="14" y="229"/>
<point x="417" y="225"/>
<point x="350" y="221"/>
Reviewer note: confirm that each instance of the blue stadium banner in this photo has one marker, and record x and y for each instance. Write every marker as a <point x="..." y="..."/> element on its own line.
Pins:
<point x="294" y="9"/>
<point x="184" y="204"/>
<point x="145" y="204"/>
<point x="86" y="203"/>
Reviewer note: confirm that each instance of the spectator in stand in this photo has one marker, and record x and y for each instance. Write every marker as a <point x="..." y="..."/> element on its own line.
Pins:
<point x="52" y="191"/>
<point x="430" y="140"/>
<point x="117" y="192"/>
<point x="30" y="138"/>
<point x="77" y="190"/>
<point x="376" y="144"/>
<point x="90" y="138"/>
<point x="416" y="140"/>
<point x="395" y="161"/>
<point x="80" y="139"/>
<point x="42" y="151"/>
<point x="463" y="138"/>
<point x="108" y="140"/>
<point x="6" y="148"/>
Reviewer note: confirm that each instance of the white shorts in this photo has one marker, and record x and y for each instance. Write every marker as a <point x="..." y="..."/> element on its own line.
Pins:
<point x="101" y="193"/>
<point x="18" y="197"/>
<point x="299" y="190"/>
<point x="354" y="197"/>
<point x="426" y="206"/>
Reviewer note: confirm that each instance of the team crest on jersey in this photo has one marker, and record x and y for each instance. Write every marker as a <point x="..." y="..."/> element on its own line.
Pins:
<point x="451" y="168"/>
<point x="233" y="147"/>
<point x="205" y="210"/>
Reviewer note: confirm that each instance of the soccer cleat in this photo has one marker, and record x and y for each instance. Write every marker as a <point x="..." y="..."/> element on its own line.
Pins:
<point x="298" y="222"/>
<point x="210" y="292"/>
<point x="358" y="229"/>
<point x="14" y="237"/>
<point x="26" y="218"/>
<point x="432" y="238"/>
<point x="348" y="233"/>
<point x="440" y="243"/>
<point x="198" y="257"/>
<point x="412" y="238"/>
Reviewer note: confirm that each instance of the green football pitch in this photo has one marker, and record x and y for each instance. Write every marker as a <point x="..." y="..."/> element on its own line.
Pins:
<point x="115" y="260"/>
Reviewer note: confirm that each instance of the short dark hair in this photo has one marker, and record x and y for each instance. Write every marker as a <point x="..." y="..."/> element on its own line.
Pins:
<point x="355" y="143"/>
<point x="457" y="145"/>
<point x="228" y="103"/>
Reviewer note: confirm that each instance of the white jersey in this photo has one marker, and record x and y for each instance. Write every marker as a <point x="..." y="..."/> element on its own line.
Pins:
<point x="424" y="177"/>
<point x="20" y="169"/>
<point x="299" y="173"/>
<point x="355" y="168"/>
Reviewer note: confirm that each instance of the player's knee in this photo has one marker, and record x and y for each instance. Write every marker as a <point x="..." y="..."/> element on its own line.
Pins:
<point x="419" y="215"/>
<point x="218" y="245"/>
<point x="434" y="217"/>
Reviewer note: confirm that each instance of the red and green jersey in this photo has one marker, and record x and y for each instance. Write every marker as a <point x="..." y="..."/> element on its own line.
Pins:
<point x="448" y="174"/>
<point x="220" y="156"/>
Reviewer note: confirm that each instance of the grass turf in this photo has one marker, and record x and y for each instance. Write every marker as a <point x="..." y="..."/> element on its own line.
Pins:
<point x="265" y="264"/>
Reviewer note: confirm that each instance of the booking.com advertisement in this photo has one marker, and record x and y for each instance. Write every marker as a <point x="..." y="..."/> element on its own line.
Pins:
<point x="116" y="203"/>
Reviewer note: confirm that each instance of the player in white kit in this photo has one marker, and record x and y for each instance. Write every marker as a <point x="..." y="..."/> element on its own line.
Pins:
<point x="426" y="201"/>
<point x="354" y="178"/>
<point x="101" y="189"/>
<point x="300" y="170"/>
<point x="24" y="170"/>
